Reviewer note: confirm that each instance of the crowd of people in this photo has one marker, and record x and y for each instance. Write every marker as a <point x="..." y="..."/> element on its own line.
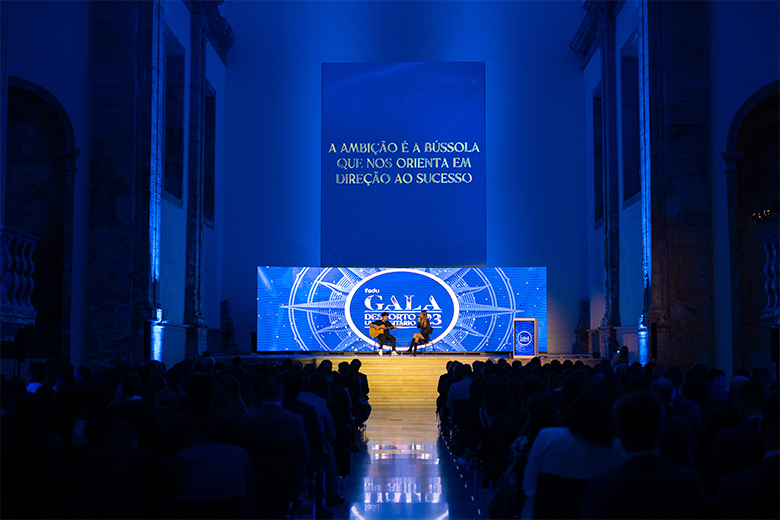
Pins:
<point x="556" y="440"/>
<point x="615" y="440"/>
<point x="201" y="438"/>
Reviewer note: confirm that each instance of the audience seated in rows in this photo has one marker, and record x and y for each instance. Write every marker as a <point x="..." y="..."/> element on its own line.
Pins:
<point x="157" y="439"/>
<point x="708" y="429"/>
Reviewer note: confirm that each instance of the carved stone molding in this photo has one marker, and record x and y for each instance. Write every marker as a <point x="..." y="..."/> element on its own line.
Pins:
<point x="216" y="28"/>
<point x="591" y="31"/>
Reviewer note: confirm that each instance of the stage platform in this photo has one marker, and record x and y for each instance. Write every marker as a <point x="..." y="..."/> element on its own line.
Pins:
<point x="401" y="380"/>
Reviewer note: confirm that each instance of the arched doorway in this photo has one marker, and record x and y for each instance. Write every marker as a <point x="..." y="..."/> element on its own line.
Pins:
<point x="753" y="141"/>
<point x="40" y="159"/>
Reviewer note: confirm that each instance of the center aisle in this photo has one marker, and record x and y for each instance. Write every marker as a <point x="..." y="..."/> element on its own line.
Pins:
<point x="404" y="470"/>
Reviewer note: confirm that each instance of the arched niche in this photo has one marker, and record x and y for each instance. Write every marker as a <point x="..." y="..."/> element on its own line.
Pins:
<point x="752" y="185"/>
<point x="38" y="200"/>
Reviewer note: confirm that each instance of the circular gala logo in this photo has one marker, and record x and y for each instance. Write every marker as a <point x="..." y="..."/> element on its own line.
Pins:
<point x="361" y="295"/>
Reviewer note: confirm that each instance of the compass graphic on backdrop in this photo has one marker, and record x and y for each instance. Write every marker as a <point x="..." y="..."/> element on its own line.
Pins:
<point x="471" y="310"/>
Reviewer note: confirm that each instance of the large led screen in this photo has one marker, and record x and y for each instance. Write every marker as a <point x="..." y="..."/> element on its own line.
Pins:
<point x="329" y="309"/>
<point x="403" y="164"/>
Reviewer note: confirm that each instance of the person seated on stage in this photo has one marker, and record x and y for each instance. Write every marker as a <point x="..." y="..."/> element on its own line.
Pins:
<point x="424" y="336"/>
<point x="383" y="327"/>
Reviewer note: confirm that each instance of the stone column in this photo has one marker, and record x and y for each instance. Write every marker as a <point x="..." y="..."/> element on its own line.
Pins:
<point x="120" y="283"/>
<point x="3" y="101"/>
<point x="731" y="355"/>
<point x="611" y="228"/>
<point x="676" y="184"/>
<point x="193" y="311"/>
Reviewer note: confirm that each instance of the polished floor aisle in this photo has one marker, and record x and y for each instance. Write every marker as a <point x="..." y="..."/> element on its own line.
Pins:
<point x="404" y="470"/>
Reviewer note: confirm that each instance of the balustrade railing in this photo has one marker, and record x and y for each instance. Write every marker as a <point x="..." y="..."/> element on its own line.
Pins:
<point x="771" y="313"/>
<point x="16" y="285"/>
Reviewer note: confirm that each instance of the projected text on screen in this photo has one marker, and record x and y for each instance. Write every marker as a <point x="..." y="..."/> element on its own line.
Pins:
<point x="403" y="164"/>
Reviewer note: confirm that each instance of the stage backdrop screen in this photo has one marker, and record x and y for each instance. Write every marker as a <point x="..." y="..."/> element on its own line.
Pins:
<point x="403" y="164"/>
<point x="329" y="309"/>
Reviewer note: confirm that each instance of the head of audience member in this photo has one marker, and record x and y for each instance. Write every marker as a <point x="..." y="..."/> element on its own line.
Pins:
<point x="664" y="389"/>
<point x="143" y="372"/>
<point x="750" y="399"/>
<point x="67" y="404"/>
<point x="264" y="368"/>
<point x="238" y="372"/>
<point x="128" y="387"/>
<point x="675" y="375"/>
<point x="154" y="383"/>
<point x="209" y="363"/>
<point x="734" y="385"/>
<point x="639" y="416"/>
<point x="356" y="364"/>
<point x="158" y="367"/>
<point x="590" y="416"/>
<point x="513" y="386"/>
<point x="457" y="370"/>
<point x="658" y="371"/>
<point x="770" y="422"/>
<point x="556" y="381"/>
<point x="700" y="369"/>
<point x="717" y="377"/>
<point x="325" y="369"/>
<point x="226" y="396"/>
<point x="293" y="384"/>
<point x="248" y="394"/>
<point x="542" y="413"/>
<point x="63" y="375"/>
<point x="112" y="376"/>
<point x="495" y="396"/>
<point x="237" y="361"/>
<point x="762" y="376"/>
<point x="46" y="394"/>
<point x="570" y="390"/>
<point x="636" y="384"/>
<point x="96" y="396"/>
<point x="37" y="372"/>
<point x="256" y="380"/>
<point x="273" y="390"/>
<point x="198" y="389"/>
<point x="696" y="389"/>
<point x="319" y="384"/>
<point x="83" y="373"/>
<point x="344" y="368"/>
<point x="466" y="371"/>
<point x="121" y="432"/>
<point x="166" y="399"/>
<point x="531" y="385"/>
